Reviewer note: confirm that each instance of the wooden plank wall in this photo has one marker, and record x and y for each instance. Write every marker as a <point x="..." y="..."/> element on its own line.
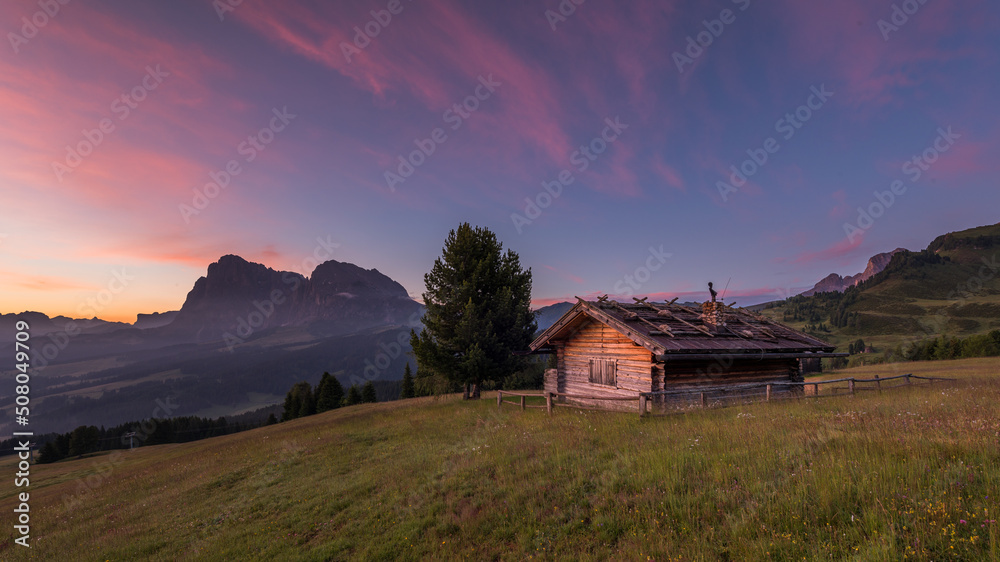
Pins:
<point x="552" y="380"/>
<point x="597" y="341"/>
<point x="678" y="375"/>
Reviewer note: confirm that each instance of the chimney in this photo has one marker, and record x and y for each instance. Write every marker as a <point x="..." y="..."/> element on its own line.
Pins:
<point x="711" y="311"/>
<point x="711" y="314"/>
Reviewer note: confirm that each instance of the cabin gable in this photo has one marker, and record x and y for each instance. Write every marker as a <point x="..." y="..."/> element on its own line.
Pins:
<point x="590" y="349"/>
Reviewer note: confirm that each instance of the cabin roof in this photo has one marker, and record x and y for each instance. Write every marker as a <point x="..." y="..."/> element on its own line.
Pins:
<point x="667" y="329"/>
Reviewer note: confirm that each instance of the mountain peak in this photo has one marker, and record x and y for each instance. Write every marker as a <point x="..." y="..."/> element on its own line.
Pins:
<point x="835" y="283"/>
<point x="338" y="295"/>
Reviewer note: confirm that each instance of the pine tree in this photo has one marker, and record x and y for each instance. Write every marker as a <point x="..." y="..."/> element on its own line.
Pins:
<point x="353" y="396"/>
<point x="291" y="408"/>
<point x="271" y="420"/>
<point x="83" y="440"/>
<point x="408" y="390"/>
<point x="329" y="393"/>
<point x="49" y="453"/>
<point x="478" y="312"/>
<point x="299" y="402"/>
<point x="368" y="393"/>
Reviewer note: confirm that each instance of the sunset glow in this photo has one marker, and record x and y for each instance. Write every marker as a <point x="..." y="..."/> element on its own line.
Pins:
<point x="139" y="142"/>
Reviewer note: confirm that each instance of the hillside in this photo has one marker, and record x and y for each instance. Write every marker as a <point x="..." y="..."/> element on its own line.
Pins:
<point x="950" y="289"/>
<point x="874" y="476"/>
<point x="837" y="283"/>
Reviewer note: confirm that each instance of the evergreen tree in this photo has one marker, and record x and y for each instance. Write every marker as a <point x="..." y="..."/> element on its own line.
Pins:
<point x="329" y="393"/>
<point x="353" y="396"/>
<point x="83" y="440"/>
<point x="408" y="390"/>
<point x="62" y="445"/>
<point x="478" y="312"/>
<point x="271" y="420"/>
<point x="368" y="395"/>
<point x="49" y="453"/>
<point x="299" y="402"/>
<point x="291" y="408"/>
<point x="307" y="402"/>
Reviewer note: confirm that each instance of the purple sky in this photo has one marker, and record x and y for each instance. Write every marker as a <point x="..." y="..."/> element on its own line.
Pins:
<point x="113" y="214"/>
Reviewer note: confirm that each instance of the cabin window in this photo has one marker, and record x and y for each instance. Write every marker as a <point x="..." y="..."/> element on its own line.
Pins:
<point x="603" y="371"/>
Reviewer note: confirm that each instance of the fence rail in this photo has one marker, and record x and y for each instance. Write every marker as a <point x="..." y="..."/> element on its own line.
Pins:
<point x="743" y="390"/>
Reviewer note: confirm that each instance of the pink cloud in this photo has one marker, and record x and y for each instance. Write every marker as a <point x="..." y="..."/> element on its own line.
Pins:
<point x="668" y="174"/>
<point x="438" y="52"/>
<point x="841" y="209"/>
<point x="564" y="274"/>
<point x="841" y="249"/>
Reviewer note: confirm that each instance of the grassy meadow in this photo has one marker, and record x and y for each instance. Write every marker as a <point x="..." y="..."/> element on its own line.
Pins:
<point x="909" y="474"/>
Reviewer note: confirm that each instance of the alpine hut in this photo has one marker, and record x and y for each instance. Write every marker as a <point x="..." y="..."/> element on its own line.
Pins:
<point x="609" y="349"/>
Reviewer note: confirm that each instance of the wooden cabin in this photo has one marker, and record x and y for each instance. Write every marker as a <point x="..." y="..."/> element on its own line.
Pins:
<point x="613" y="349"/>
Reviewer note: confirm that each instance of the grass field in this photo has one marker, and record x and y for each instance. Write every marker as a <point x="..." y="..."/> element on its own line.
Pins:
<point x="907" y="474"/>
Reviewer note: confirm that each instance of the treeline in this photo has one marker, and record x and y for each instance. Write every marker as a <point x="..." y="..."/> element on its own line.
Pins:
<point x="982" y="345"/>
<point x="950" y="242"/>
<point x="302" y="400"/>
<point x="87" y="439"/>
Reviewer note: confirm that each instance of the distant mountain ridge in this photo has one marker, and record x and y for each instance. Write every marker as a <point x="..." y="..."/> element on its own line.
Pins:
<point x="237" y="296"/>
<point x="244" y="335"/>
<point x="835" y="283"/>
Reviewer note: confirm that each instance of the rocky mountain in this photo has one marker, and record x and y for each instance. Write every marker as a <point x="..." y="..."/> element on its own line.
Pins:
<point x="836" y="283"/>
<point x="154" y="320"/>
<point x="240" y="298"/>
<point x="41" y="324"/>
<point x="244" y="335"/>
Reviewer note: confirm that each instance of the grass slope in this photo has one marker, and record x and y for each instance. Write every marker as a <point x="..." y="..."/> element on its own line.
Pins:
<point x="913" y="299"/>
<point x="910" y="473"/>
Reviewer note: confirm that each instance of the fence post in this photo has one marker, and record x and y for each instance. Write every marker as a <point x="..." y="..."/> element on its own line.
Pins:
<point x="769" y="393"/>
<point x="878" y="383"/>
<point x="642" y="405"/>
<point x="548" y="402"/>
<point x="704" y="400"/>
<point x="815" y="389"/>
<point x="850" y="385"/>
<point x="522" y="401"/>
<point x="908" y="381"/>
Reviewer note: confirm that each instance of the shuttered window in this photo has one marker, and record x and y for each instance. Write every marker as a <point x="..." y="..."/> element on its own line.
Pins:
<point x="603" y="371"/>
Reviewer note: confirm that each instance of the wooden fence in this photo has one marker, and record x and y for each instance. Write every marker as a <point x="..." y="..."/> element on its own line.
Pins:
<point x="725" y="393"/>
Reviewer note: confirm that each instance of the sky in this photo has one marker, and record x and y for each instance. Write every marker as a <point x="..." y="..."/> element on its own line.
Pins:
<point x="640" y="148"/>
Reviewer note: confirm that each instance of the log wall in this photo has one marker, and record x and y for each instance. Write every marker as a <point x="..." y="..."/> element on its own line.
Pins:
<point x="683" y="375"/>
<point x="597" y="341"/>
